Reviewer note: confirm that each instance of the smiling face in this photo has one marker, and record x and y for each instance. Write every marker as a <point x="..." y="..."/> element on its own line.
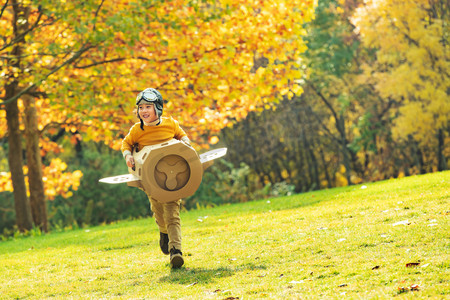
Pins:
<point x="147" y="112"/>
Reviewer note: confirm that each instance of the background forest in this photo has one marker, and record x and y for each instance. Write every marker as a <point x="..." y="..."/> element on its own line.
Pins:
<point x="305" y="95"/>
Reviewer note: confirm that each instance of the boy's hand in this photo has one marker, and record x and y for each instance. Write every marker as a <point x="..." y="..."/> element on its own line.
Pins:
<point x="130" y="161"/>
<point x="186" y="140"/>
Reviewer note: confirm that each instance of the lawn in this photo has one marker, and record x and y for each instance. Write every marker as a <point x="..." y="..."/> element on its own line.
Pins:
<point x="372" y="241"/>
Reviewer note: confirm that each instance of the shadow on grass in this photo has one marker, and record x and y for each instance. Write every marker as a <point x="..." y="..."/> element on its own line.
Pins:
<point x="201" y="275"/>
<point x="196" y="275"/>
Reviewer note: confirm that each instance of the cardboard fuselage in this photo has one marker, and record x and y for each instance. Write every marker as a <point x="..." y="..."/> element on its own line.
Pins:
<point x="167" y="171"/>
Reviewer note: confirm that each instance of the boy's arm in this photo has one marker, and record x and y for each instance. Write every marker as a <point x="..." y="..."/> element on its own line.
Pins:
<point x="127" y="144"/>
<point x="126" y="150"/>
<point x="180" y="134"/>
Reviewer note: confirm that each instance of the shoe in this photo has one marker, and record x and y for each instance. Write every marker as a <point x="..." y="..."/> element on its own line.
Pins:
<point x="164" y="243"/>
<point x="176" y="258"/>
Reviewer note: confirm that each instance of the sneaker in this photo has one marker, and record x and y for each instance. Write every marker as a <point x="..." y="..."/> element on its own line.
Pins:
<point x="176" y="258"/>
<point x="164" y="243"/>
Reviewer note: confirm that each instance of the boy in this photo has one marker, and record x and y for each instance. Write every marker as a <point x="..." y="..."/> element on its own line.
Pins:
<point x="155" y="129"/>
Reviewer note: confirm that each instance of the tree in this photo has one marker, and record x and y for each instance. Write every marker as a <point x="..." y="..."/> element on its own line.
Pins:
<point x="22" y="64"/>
<point x="411" y="67"/>
<point x="280" y="145"/>
<point x="79" y="67"/>
<point x="343" y="124"/>
<point x="22" y="205"/>
<point x="332" y="68"/>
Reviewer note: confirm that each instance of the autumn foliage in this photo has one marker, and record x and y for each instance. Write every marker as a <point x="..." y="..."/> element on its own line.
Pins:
<point x="57" y="180"/>
<point x="375" y="101"/>
<point x="212" y="61"/>
<point x="412" y="62"/>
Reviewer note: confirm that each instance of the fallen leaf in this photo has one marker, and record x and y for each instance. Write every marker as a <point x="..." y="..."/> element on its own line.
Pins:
<point x="414" y="264"/>
<point x="405" y="222"/>
<point x="192" y="284"/>
<point x="294" y="282"/>
<point x="425" y="265"/>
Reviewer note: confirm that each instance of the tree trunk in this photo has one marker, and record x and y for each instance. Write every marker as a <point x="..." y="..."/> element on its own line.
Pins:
<point x="35" y="182"/>
<point x="312" y="149"/>
<point x="24" y="220"/>
<point x="306" y="147"/>
<point x="15" y="161"/>
<point x="325" y="168"/>
<point x="442" y="164"/>
<point x="419" y="159"/>
<point x="341" y="124"/>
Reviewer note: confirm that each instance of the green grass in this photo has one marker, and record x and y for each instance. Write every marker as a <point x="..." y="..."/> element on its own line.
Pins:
<point x="333" y="244"/>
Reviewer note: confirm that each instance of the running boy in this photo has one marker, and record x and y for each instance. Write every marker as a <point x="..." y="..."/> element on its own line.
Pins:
<point x="155" y="129"/>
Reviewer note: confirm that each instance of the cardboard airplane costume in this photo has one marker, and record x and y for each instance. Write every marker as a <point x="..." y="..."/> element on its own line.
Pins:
<point x="168" y="171"/>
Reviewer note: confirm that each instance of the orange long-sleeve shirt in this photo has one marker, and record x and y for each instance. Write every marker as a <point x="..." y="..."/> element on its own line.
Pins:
<point x="152" y="134"/>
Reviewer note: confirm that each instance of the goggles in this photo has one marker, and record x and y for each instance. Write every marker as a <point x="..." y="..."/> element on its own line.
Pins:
<point x="146" y="96"/>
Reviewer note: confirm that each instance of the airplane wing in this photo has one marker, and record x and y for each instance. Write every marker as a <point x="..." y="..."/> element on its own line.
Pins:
<point x="120" y="179"/>
<point x="213" y="154"/>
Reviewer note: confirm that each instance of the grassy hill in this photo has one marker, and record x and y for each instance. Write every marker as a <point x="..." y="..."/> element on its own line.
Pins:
<point x="369" y="241"/>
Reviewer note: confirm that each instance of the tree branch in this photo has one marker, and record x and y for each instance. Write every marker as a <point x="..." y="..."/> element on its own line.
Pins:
<point x="96" y="13"/>
<point x="324" y="127"/>
<point x="23" y="34"/>
<point x="328" y="104"/>
<point x="96" y="63"/>
<point x="77" y="54"/>
<point x="3" y="8"/>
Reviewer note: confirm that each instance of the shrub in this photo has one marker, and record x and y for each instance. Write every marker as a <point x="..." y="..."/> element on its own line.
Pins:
<point x="223" y="183"/>
<point x="95" y="203"/>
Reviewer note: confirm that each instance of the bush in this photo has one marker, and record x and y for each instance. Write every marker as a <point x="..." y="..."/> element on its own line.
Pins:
<point x="223" y="183"/>
<point x="96" y="203"/>
<point x="7" y="213"/>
